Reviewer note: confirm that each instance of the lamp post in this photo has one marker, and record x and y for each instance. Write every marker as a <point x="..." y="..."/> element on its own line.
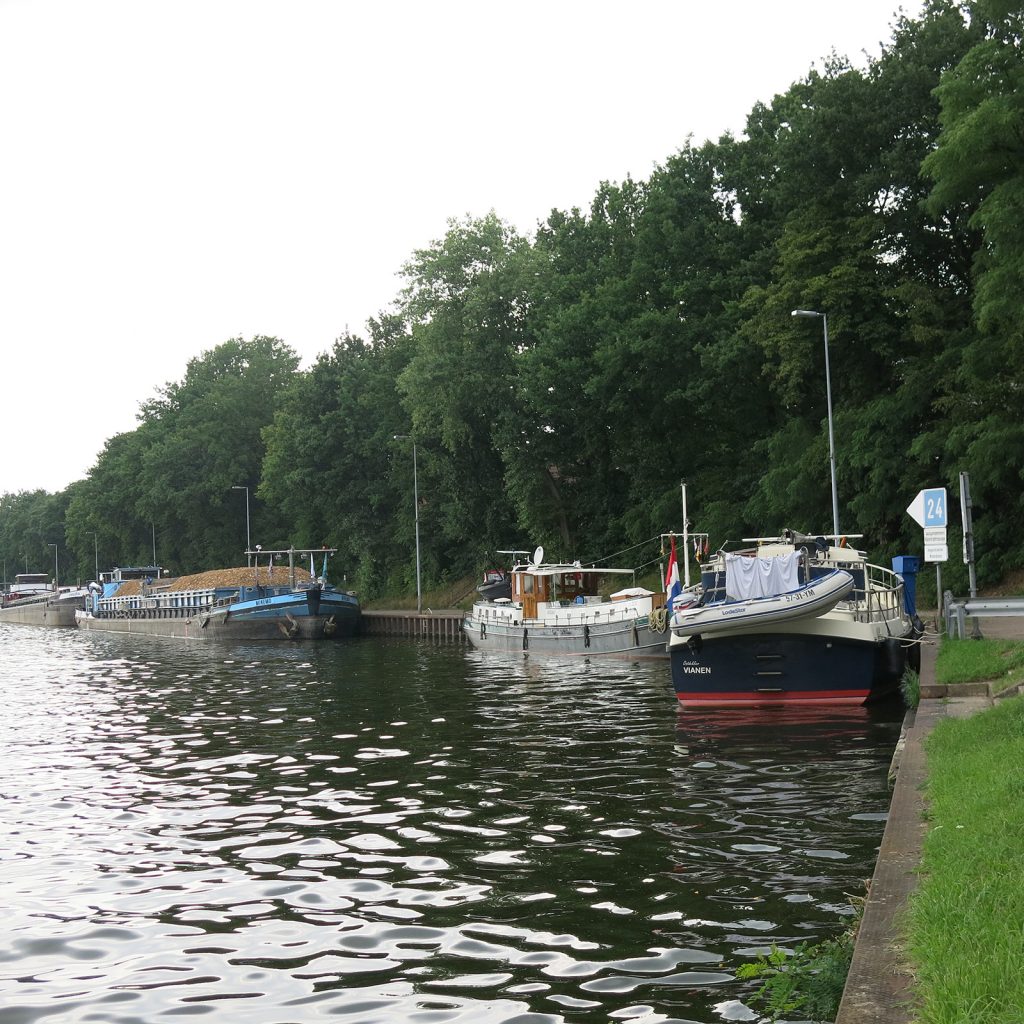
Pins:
<point x="96" y="553"/>
<point x="248" y="541"/>
<point x="416" y="509"/>
<point x="831" y="434"/>
<point x="56" y="574"/>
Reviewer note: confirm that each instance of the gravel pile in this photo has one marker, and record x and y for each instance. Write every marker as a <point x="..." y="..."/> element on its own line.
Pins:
<point x="243" y="576"/>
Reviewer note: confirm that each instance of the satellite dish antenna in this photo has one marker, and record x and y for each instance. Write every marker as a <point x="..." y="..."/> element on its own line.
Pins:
<point x="538" y="556"/>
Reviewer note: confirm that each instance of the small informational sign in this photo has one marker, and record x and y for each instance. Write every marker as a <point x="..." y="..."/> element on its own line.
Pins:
<point x="929" y="507"/>
<point x="935" y="547"/>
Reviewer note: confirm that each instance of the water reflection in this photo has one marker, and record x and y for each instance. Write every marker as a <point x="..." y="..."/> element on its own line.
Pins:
<point x="389" y="831"/>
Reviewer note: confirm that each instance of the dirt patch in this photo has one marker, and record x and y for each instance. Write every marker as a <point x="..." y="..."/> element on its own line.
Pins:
<point x="1012" y="585"/>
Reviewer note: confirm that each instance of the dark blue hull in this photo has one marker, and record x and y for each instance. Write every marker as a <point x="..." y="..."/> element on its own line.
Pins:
<point x="784" y="668"/>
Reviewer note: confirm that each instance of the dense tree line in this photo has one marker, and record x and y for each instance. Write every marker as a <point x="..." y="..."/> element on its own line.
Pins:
<point x="557" y="388"/>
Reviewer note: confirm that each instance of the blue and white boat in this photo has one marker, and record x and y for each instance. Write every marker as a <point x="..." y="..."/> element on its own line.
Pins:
<point x="797" y="619"/>
<point x="251" y="603"/>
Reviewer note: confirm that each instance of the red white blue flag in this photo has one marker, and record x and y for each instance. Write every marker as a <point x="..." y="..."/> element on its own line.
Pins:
<point x="673" y="588"/>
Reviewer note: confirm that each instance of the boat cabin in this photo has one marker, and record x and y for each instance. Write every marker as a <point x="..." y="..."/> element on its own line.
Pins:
<point x="29" y="584"/>
<point x="120" y="573"/>
<point x="535" y="586"/>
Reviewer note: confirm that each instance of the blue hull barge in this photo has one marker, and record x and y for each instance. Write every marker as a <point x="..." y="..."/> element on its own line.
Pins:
<point x="251" y="603"/>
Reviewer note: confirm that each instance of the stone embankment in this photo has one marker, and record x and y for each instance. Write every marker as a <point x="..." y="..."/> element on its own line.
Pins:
<point x="879" y="988"/>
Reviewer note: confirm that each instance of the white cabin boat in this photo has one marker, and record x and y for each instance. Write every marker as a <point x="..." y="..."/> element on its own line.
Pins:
<point x="560" y="609"/>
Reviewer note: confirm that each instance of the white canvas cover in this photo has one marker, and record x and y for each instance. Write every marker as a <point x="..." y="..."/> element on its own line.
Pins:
<point x="746" y="578"/>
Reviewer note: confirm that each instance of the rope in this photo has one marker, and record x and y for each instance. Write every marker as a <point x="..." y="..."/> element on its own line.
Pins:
<point x="609" y="558"/>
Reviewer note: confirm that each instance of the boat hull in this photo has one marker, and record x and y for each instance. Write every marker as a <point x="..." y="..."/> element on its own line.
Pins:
<point x="624" y="639"/>
<point x="785" y="668"/>
<point x="270" y="619"/>
<point x="49" y="611"/>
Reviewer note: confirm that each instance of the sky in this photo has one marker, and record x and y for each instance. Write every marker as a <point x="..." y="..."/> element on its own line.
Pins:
<point x="176" y="173"/>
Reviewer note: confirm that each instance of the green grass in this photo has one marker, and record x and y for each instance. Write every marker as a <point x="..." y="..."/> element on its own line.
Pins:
<point x="969" y="661"/>
<point x="966" y="921"/>
<point x="910" y="688"/>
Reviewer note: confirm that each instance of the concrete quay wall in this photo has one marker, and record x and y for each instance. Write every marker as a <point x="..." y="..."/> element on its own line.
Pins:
<point x="879" y="987"/>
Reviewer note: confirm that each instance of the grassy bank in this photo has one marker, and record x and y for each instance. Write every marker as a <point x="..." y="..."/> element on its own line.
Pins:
<point x="964" y="929"/>
<point x="966" y="661"/>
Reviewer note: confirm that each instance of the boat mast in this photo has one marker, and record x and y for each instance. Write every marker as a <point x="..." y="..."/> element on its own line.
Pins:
<point x="686" y="539"/>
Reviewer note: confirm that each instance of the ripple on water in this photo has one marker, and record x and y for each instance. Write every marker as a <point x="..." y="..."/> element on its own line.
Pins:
<point x="388" y="831"/>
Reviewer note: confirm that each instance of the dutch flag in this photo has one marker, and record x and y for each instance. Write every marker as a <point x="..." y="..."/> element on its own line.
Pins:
<point x="673" y="588"/>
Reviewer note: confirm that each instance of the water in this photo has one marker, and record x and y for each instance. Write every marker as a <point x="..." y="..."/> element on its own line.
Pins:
<point x="385" y="831"/>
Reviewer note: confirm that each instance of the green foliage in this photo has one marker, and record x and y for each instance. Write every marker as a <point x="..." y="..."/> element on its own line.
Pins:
<point x="808" y="981"/>
<point x="910" y="688"/>
<point x="31" y="522"/>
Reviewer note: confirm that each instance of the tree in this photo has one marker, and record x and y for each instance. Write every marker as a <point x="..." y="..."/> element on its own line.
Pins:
<point x="977" y="171"/>
<point x="466" y="305"/>
<point x="331" y="457"/>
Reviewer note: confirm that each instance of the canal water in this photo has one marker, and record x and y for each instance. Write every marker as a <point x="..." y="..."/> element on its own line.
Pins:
<point x="390" y="831"/>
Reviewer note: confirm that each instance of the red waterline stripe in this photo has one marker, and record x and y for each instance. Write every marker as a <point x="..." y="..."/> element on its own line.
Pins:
<point x="791" y="697"/>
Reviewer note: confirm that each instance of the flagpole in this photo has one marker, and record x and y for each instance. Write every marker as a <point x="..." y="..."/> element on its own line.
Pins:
<point x="686" y="540"/>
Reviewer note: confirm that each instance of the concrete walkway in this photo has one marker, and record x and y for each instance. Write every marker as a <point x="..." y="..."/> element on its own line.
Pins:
<point x="879" y="986"/>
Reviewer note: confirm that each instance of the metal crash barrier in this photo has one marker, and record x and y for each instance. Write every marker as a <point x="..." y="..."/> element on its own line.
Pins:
<point x="958" y="612"/>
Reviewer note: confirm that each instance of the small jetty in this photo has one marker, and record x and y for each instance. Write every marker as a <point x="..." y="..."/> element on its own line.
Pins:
<point x="444" y="626"/>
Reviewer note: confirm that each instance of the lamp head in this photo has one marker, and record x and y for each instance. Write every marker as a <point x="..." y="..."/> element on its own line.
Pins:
<point x="805" y="312"/>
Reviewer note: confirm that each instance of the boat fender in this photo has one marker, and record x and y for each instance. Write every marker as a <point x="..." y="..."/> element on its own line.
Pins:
<point x="636" y="636"/>
<point x="586" y="636"/>
<point x="205" y="622"/>
<point x="330" y="626"/>
<point x="483" y="630"/>
<point x="526" y="639"/>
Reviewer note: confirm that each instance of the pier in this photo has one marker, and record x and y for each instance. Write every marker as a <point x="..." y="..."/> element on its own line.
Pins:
<point x="444" y="626"/>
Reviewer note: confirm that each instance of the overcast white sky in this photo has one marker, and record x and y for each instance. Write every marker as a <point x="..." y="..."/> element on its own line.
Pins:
<point x="175" y="174"/>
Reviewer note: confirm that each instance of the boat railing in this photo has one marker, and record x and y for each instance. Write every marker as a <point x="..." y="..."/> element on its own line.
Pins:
<point x="187" y="599"/>
<point x="880" y="599"/>
<point x="566" y="614"/>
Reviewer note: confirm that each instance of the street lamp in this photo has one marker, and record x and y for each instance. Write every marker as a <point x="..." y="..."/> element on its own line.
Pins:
<point x="56" y="574"/>
<point x="248" y="541"/>
<point x="831" y="435"/>
<point x="96" y="553"/>
<point x="416" y="504"/>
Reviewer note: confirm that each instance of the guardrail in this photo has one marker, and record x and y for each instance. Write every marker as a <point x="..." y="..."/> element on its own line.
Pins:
<point x="958" y="612"/>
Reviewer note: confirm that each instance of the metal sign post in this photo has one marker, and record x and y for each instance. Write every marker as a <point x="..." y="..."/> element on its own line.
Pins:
<point x="965" y="511"/>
